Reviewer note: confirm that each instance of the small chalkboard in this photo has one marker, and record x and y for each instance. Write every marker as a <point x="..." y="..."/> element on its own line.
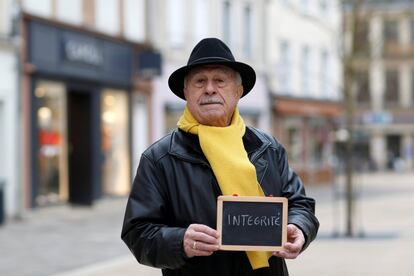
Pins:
<point x="252" y="223"/>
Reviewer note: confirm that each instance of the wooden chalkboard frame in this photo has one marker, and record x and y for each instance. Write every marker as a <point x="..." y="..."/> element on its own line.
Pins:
<point x="256" y="199"/>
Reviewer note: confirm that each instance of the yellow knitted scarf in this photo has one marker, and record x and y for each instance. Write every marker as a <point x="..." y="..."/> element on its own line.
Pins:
<point x="224" y="150"/>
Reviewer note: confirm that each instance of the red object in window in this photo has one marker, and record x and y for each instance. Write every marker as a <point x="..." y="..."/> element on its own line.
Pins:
<point x="49" y="137"/>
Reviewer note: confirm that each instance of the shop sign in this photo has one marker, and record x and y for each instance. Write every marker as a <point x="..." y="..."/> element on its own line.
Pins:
<point x="380" y="118"/>
<point x="68" y="53"/>
<point x="83" y="51"/>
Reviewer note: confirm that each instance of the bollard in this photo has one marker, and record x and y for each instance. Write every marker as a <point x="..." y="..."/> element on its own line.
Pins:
<point x="2" y="215"/>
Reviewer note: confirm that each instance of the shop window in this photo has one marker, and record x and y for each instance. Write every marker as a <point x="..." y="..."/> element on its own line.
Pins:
<point x="115" y="142"/>
<point x="392" y="88"/>
<point x="52" y="142"/>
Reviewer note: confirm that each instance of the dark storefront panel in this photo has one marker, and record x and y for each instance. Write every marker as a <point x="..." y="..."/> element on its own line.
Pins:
<point x="80" y="83"/>
<point x="62" y="52"/>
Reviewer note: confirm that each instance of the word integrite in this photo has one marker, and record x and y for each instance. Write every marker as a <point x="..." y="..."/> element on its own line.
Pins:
<point x="249" y="220"/>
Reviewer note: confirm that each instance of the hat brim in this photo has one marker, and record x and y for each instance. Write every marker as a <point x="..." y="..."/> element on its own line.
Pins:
<point x="247" y="73"/>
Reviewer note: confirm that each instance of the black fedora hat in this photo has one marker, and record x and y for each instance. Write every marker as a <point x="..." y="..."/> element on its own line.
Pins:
<point x="211" y="51"/>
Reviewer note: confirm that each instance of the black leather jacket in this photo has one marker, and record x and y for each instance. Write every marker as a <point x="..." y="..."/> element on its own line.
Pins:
<point x="175" y="187"/>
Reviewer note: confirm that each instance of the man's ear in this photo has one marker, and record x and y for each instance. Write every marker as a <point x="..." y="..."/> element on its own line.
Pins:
<point x="185" y="93"/>
<point x="240" y="91"/>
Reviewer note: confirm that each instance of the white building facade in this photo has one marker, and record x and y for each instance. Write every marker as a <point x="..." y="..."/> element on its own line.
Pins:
<point x="304" y="76"/>
<point x="184" y="23"/>
<point x="385" y="85"/>
<point x="9" y="108"/>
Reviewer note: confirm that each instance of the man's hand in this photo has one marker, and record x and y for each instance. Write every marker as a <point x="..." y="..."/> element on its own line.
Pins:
<point x="294" y="244"/>
<point x="200" y="240"/>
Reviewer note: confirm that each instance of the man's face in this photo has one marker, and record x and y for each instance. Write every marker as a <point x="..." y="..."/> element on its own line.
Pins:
<point x="212" y="93"/>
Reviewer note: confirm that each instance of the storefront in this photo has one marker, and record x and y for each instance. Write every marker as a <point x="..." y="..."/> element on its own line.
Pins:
<point x="306" y="127"/>
<point x="78" y="92"/>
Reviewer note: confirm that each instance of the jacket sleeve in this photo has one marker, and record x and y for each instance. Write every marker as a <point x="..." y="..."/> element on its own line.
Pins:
<point x="145" y="230"/>
<point x="301" y="209"/>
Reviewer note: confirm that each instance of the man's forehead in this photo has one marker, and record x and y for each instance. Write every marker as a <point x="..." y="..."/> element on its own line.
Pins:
<point x="212" y="67"/>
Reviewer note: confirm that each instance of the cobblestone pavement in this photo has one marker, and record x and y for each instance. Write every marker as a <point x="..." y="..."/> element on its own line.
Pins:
<point x="75" y="241"/>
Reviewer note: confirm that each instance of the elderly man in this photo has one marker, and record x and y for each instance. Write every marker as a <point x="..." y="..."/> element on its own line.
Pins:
<point x="170" y="217"/>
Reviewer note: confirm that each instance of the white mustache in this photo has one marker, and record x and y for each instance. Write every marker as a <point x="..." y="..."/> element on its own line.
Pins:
<point x="211" y="101"/>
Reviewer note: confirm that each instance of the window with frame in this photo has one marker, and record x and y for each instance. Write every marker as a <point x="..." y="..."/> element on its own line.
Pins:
<point x="226" y="21"/>
<point x="363" y="96"/>
<point x="51" y="119"/>
<point x="392" y="87"/>
<point x="412" y="30"/>
<point x="305" y="71"/>
<point x="294" y="140"/>
<point x="323" y="4"/>
<point x="362" y="38"/>
<point x="390" y="35"/>
<point x="107" y="16"/>
<point x="412" y="87"/>
<point x="284" y="67"/>
<point x="247" y="43"/>
<point x="391" y="30"/>
<point x="201" y="12"/>
<point x="305" y="6"/>
<point x="176" y="23"/>
<point x="411" y="50"/>
<point x="324" y="73"/>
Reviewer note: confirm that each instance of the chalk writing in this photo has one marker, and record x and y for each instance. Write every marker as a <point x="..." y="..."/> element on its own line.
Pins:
<point x="250" y="220"/>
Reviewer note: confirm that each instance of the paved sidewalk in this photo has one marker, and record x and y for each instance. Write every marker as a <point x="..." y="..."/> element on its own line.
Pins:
<point x="68" y="241"/>
<point x="384" y="225"/>
<point x="62" y="238"/>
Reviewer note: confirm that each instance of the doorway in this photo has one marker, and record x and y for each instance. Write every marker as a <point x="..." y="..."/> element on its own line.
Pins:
<point x="393" y="150"/>
<point x="80" y="147"/>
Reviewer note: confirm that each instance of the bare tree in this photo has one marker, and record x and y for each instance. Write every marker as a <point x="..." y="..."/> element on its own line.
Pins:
<point x="353" y="27"/>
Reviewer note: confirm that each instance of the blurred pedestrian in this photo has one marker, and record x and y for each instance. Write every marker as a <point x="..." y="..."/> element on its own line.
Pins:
<point x="170" y="217"/>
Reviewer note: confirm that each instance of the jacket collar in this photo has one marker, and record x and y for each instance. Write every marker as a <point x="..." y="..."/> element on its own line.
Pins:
<point x="186" y="145"/>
